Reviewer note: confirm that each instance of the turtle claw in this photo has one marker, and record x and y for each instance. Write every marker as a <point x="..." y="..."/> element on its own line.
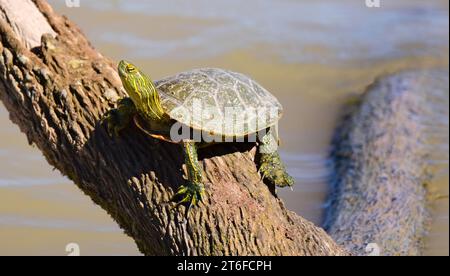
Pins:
<point x="190" y="195"/>
<point x="262" y="174"/>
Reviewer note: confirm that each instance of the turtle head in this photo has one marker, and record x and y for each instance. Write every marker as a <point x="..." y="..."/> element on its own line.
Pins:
<point x="141" y="90"/>
<point x="127" y="70"/>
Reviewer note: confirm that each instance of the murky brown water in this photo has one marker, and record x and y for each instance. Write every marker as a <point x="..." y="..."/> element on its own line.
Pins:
<point x="311" y="54"/>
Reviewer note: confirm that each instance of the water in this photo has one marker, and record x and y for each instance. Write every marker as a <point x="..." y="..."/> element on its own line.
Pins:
<point x="313" y="55"/>
<point x="290" y="29"/>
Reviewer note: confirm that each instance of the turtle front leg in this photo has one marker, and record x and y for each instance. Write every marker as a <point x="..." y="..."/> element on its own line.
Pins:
<point x="191" y="193"/>
<point x="271" y="167"/>
<point x="119" y="118"/>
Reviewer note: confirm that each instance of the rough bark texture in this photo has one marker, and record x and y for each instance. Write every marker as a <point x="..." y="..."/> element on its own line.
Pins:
<point x="380" y="155"/>
<point x="57" y="93"/>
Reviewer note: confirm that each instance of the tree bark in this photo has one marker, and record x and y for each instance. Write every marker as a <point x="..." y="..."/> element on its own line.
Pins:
<point x="381" y="155"/>
<point x="57" y="90"/>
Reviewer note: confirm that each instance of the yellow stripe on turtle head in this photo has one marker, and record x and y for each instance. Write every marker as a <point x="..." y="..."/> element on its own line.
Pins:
<point x="141" y="90"/>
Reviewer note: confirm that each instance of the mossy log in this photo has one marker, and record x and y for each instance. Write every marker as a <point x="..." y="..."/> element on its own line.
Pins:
<point x="57" y="87"/>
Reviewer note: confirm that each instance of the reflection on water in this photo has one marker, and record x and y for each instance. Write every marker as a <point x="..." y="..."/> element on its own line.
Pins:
<point x="311" y="54"/>
<point x="307" y="168"/>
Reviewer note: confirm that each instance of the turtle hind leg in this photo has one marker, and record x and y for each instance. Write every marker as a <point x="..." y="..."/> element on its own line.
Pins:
<point x="192" y="193"/>
<point x="271" y="167"/>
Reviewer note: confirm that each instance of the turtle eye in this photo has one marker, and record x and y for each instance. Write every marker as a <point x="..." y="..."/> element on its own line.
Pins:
<point x="131" y="69"/>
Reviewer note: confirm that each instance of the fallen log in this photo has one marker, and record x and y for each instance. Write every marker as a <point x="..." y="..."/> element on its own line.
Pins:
<point x="379" y="199"/>
<point x="57" y="87"/>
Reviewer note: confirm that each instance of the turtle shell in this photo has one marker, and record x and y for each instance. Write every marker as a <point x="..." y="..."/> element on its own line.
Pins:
<point x="219" y="102"/>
